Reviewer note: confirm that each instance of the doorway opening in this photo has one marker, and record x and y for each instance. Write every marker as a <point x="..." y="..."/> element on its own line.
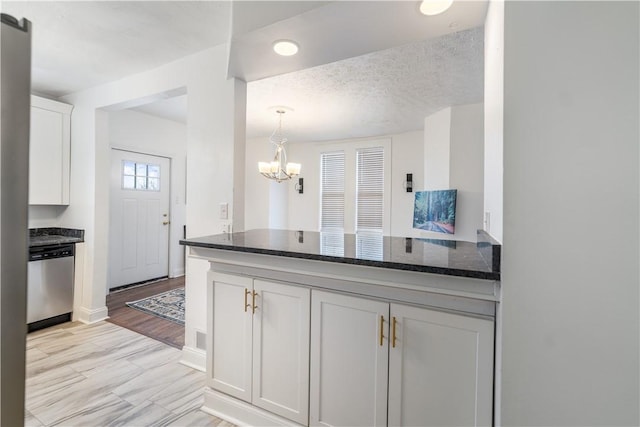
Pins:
<point x="147" y="186"/>
<point x="147" y="208"/>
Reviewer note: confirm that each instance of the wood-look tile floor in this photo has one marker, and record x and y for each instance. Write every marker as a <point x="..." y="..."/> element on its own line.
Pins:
<point x="146" y="324"/>
<point x="106" y="375"/>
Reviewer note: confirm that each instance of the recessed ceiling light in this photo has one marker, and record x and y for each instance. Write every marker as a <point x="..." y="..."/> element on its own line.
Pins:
<point x="434" y="7"/>
<point x="285" y="47"/>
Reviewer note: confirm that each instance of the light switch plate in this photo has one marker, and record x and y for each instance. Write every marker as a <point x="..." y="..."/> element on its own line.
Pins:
<point x="224" y="210"/>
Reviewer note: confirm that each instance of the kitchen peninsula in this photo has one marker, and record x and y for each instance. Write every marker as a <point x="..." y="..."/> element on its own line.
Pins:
<point x="308" y="328"/>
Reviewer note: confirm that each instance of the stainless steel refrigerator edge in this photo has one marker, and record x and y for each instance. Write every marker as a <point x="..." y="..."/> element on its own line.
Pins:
<point x="15" y="88"/>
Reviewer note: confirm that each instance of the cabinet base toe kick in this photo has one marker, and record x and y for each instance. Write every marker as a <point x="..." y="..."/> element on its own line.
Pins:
<point x="239" y="412"/>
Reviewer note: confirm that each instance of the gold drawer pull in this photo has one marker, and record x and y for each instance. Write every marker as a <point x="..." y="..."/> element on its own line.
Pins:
<point x="381" y="330"/>
<point x="253" y="301"/>
<point x="393" y="339"/>
<point x="246" y="303"/>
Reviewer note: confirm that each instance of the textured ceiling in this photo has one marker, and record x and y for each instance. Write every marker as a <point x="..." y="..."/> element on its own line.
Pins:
<point x="389" y="91"/>
<point x="337" y="30"/>
<point x="80" y="44"/>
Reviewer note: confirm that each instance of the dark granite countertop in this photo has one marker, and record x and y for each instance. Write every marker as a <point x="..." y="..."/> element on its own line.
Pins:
<point x="449" y="257"/>
<point x="52" y="236"/>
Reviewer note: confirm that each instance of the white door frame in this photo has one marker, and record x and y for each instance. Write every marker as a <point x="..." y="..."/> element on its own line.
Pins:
<point x="169" y="210"/>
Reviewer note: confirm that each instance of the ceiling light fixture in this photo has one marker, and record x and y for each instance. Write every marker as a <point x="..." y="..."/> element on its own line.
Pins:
<point x="434" y="7"/>
<point x="285" y="47"/>
<point x="278" y="169"/>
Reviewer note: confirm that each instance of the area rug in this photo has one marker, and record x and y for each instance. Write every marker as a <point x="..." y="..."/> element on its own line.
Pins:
<point x="168" y="305"/>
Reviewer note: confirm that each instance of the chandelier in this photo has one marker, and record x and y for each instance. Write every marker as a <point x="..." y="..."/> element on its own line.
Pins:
<point x="278" y="169"/>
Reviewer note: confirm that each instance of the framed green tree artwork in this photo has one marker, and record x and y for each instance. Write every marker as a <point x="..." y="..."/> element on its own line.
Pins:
<point x="435" y="211"/>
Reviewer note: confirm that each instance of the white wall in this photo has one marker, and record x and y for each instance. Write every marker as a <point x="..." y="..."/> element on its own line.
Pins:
<point x="437" y="149"/>
<point x="407" y="154"/>
<point x="303" y="209"/>
<point x="139" y="132"/>
<point x="493" y="116"/>
<point x="493" y="152"/>
<point x="41" y="216"/>
<point x="571" y="211"/>
<point x="279" y="204"/>
<point x="257" y="187"/>
<point x="466" y="169"/>
<point x="215" y="126"/>
<point x="454" y="159"/>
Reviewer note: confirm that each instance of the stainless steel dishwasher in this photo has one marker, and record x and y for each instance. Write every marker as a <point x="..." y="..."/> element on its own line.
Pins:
<point x="50" y="285"/>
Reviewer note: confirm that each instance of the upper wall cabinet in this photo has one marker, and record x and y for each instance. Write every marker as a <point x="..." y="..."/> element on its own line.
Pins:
<point x="49" y="152"/>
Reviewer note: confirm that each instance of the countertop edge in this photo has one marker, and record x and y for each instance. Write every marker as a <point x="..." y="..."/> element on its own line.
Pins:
<point x="345" y="260"/>
<point x="67" y="241"/>
<point x="54" y="236"/>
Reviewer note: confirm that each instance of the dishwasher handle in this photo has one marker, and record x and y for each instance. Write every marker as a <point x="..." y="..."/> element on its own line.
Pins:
<point x="39" y="253"/>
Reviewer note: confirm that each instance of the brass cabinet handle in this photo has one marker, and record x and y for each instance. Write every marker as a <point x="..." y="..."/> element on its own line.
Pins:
<point x="381" y="330"/>
<point x="393" y="334"/>
<point x="246" y="303"/>
<point x="253" y="301"/>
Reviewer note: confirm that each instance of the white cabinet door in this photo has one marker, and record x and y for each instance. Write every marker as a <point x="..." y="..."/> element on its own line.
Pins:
<point x="49" y="152"/>
<point x="440" y="369"/>
<point x="230" y="320"/>
<point x="349" y="361"/>
<point x="281" y="350"/>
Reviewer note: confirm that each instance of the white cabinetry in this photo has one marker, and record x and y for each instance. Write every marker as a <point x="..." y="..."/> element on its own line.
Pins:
<point x="49" y="152"/>
<point x="230" y="367"/>
<point x="349" y="361"/>
<point x="298" y="342"/>
<point x="260" y="345"/>
<point x="440" y="368"/>
<point x="427" y="367"/>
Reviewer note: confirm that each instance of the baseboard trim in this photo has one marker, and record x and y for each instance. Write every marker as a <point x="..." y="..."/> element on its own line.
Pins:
<point x="89" y="316"/>
<point x="194" y="358"/>
<point x="178" y="272"/>
<point x="239" y="412"/>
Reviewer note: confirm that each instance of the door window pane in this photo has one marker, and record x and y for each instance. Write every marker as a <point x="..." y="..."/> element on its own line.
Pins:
<point x="128" y="182"/>
<point x="154" y="171"/>
<point x="141" y="183"/>
<point x="153" y="184"/>
<point x="128" y="168"/>
<point x="140" y="176"/>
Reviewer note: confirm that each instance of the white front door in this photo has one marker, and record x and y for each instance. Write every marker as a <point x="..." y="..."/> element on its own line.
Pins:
<point x="139" y="218"/>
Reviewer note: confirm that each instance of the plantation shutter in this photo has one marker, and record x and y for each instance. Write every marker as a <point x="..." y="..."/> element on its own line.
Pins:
<point x="369" y="188"/>
<point x="332" y="191"/>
